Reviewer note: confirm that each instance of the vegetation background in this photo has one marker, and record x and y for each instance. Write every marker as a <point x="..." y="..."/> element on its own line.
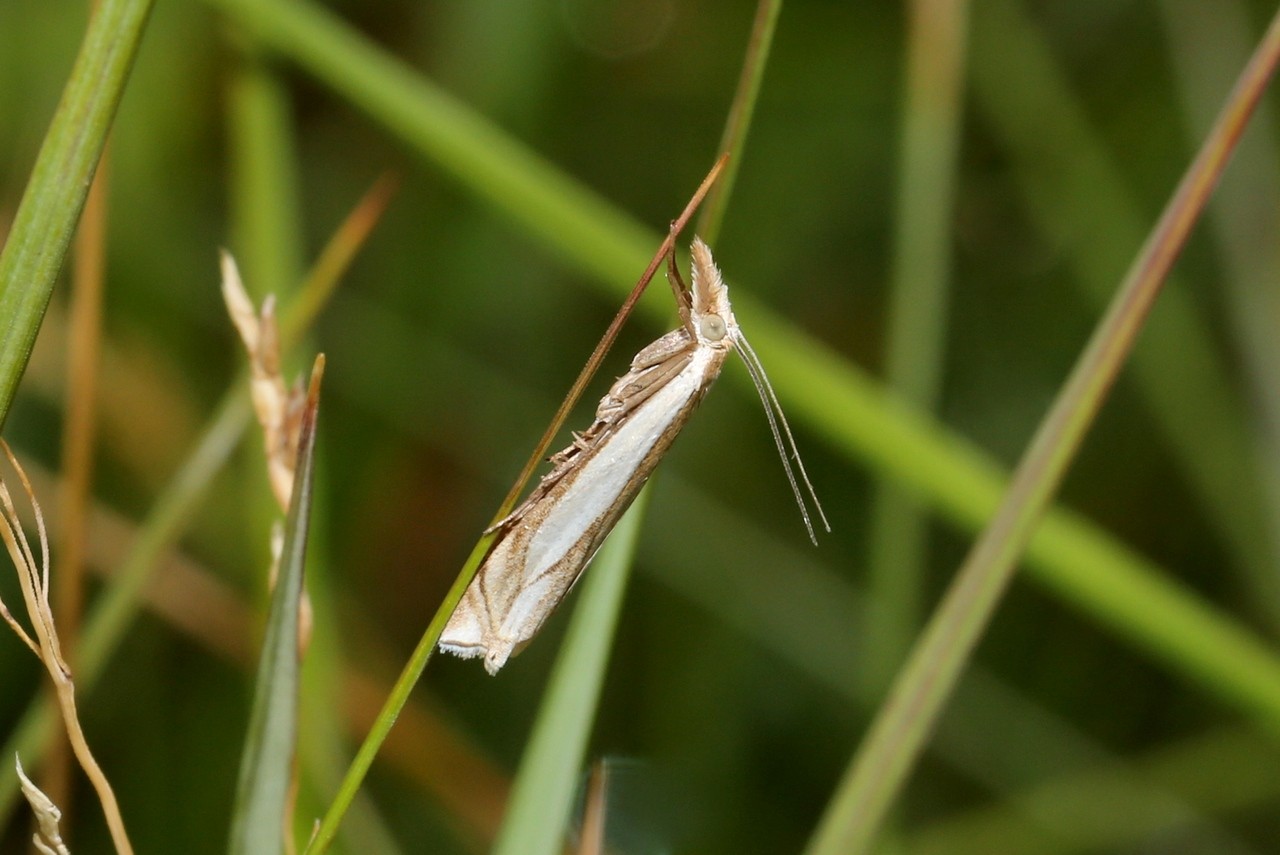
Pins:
<point x="743" y="673"/>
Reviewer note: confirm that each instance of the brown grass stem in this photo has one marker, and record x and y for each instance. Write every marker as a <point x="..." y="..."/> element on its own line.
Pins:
<point x="898" y="734"/>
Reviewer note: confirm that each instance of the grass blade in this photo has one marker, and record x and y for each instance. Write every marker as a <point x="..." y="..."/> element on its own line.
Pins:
<point x="917" y="320"/>
<point x="898" y="734"/>
<point x="1183" y="378"/>
<point x="266" y="768"/>
<point x="55" y="195"/>
<point x="738" y="124"/>
<point x="551" y="768"/>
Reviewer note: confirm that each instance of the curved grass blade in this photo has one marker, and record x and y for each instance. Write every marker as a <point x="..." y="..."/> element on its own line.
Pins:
<point x="898" y="733"/>
<point x="266" y="768"/>
<point x="738" y="122"/>
<point x="55" y="195"/>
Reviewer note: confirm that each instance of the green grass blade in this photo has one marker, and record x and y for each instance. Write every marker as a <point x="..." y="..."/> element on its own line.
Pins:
<point x="265" y="211"/>
<point x="543" y="792"/>
<point x="1076" y="191"/>
<point x="738" y="124"/>
<point x="898" y="733"/>
<point x="55" y="195"/>
<point x="266" y="768"/>
<point x="917" y="320"/>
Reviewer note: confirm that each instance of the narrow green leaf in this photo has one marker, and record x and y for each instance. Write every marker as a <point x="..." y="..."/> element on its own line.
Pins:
<point x="543" y="792"/>
<point x="258" y="819"/>
<point x="46" y="217"/>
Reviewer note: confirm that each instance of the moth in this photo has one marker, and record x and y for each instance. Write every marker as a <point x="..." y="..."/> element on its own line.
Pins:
<point x="544" y="545"/>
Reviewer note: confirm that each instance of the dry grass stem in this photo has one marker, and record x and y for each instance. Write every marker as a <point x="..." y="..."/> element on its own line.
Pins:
<point x="277" y="406"/>
<point x="34" y="580"/>
<point x="591" y="838"/>
<point x="48" y="839"/>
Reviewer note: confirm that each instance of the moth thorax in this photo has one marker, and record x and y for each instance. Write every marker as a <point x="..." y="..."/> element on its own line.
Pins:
<point x="712" y="327"/>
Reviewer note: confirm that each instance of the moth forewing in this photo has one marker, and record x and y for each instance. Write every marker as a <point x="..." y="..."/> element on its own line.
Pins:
<point x="544" y="544"/>
<point x="541" y="554"/>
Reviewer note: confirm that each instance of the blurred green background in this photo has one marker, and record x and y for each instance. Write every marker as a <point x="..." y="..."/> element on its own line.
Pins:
<point x="740" y="680"/>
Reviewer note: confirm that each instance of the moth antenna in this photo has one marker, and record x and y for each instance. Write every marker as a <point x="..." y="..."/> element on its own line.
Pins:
<point x="771" y="405"/>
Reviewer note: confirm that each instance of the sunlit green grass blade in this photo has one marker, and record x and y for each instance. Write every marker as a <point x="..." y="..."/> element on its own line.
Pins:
<point x="551" y="768"/>
<point x="266" y="768"/>
<point x="819" y="388"/>
<point x="901" y="728"/>
<point x="46" y="218"/>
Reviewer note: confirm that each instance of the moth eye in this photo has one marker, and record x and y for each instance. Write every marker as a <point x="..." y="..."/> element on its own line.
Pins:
<point x="712" y="327"/>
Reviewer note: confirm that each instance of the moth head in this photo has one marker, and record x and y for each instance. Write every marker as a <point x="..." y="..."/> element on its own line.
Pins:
<point x="711" y="315"/>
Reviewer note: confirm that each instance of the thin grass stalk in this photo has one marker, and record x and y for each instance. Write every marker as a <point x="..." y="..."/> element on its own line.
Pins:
<point x="917" y="314"/>
<point x="33" y="577"/>
<point x="738" y="124"/>
<point x="898" y="733"/>
<point x="1207" y="45"/>
<point x="46" y="218"/>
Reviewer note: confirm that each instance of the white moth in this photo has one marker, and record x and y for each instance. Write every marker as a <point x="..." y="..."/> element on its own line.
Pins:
<point x="547" y="541"/>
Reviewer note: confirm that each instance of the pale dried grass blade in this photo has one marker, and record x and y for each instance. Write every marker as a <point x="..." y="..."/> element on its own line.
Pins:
<point x="35" y="593"/>
<point x="33" y="576"/>
<point x="277" y="406"/>
<point x="47" y="839"/>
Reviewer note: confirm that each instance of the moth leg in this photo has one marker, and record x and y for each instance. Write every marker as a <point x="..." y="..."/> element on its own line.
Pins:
<point x="634" y="389"/>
